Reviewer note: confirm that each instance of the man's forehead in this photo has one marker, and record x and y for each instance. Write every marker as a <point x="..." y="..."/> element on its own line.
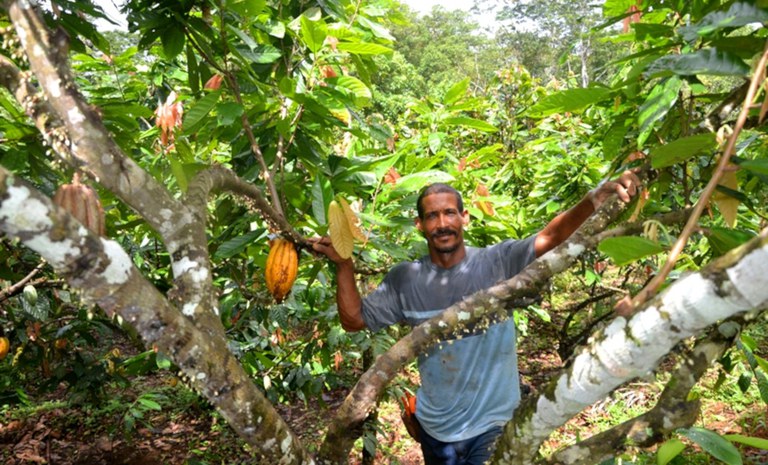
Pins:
<point x="440" y="201"/>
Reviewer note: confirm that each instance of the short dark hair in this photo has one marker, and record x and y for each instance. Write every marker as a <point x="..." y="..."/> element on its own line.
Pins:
<point x="438" y="188"/>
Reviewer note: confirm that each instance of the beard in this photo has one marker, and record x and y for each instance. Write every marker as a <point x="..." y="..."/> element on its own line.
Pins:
<point x="444" y="249"/>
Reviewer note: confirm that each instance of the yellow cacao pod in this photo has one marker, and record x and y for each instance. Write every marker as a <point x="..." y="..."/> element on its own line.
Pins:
<point x="282" y="266"/>
<point x="5" y="345"/>
<point x="82" y="202"/>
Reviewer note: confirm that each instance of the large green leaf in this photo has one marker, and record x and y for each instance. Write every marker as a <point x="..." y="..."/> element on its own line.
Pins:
<point x="668" y="451"/>
<point x="472" y="123"/>
<point x="627" y="249"/>
<point x="568" y="100"/>
<point x="757" y="443"/>
<point x="199" y="110"/>
<point x="709" y="61"/>
<point x="262" y="54"/>
<point x="363" y="48"/>
<point x="739" y="14"/>
<point x="662" y="97"/>
<point x="414" y="182"/>
<point x="173" y="41"/>
<point x="234" y="246"/>
<point x="313" y="33"/>
<point x="682" y="149"/>
<point x="360" y="93"/>
<point x="617" y="7"/>
<point x="247" y="8"/>
<point x="713" y="444"/>
<point x="759" y="166"/>
<point x="724" y="239"/>
<point x="322" y="194"/>
<point x="377" y="29"/>
<point x="456" y="92"/>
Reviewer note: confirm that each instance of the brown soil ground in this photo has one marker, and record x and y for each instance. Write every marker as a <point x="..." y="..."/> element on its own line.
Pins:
<point x="195" y="435"/>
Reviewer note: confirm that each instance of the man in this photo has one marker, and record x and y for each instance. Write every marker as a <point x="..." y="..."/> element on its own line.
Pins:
<point x="470" y="387"/>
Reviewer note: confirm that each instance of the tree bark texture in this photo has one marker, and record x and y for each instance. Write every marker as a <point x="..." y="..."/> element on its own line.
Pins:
<point x="732" y="285"/>
<point x="105" y="275"/>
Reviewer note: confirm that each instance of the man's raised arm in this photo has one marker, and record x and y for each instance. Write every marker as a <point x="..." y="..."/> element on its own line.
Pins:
<point x="348" y="298"/>
<point x="564" y="224"/>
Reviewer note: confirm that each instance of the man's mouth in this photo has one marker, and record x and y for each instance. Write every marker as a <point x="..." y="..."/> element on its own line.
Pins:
<point x="443" y="233"/>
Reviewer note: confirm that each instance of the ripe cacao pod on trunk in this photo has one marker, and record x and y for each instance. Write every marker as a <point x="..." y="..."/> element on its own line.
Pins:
<point x="82" y="202"/>
<point x="5" y="345"/>
<point x="282" y="266"/>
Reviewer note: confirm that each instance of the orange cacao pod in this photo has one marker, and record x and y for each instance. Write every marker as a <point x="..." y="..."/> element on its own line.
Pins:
<point x="5" y="345"/>
<point x="282" y="266"/>
<point x="82" y="202"/>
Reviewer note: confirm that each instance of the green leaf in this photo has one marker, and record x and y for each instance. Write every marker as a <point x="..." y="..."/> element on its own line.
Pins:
<point x="247" y="8"/>
<point x="757" y="443"/>
<point x="724" y="239"/>
<point x="377" y="29"/>
<point x="263" y="54"/>
<point x="472" y="123"/>
<point x="414" y="182"/>
<point x="682" y="149"/>
<point x="238" y="244"/>
<point x="173" y="41"/>
<point x="361" y="94"/>
<point x="178" y="172"/>
<point x="313" y="33"/>
<point x="199" y="111"/>
<point x="713" y="444"/>
<point x="708" y="61"/>
<point x="149" y="403"/>
<point x="229" y="113"/>
<point x="668" y="451"/>
<point x="322" y="194"/>
<point x="363" y="49"/>
<point x="662" y="97"/>
<point x="755" y="166"/>
<point x="568" y="100"/>
<point x="456" y="92"/>
<point x="435" y="141"/>
<point x="762" y="385"/>
<point x="614" y="138"/>
<point x="626" y="249"/>
<point x="739" y="14"/>
<point x="617" y="7"/>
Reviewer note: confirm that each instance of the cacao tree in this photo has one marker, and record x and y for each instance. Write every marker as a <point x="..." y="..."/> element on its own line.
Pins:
<point x="260" y="123"/>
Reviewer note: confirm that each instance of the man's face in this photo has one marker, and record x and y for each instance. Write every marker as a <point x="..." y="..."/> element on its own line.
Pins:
<point x="443" y="223"/>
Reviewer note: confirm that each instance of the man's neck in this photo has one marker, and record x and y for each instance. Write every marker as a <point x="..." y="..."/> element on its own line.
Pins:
<point x="448" y="259"/>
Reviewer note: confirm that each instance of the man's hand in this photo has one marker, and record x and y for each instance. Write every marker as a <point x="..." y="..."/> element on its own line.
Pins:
<point x="626" y="186"/>
<point x="323" y="245"/>
<point x="347" y="296"/>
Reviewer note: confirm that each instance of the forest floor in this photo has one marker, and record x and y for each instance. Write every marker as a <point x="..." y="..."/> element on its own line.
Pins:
<point x="188" y="431"/>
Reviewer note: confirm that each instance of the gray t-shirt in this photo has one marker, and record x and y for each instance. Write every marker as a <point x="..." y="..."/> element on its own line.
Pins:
<point x="471" y="384"/>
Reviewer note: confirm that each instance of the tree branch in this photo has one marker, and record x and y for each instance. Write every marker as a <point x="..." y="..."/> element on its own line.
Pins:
<point x="105" y="275"/>
<point x="672" y="410"/>
<point x="627" y="348"/>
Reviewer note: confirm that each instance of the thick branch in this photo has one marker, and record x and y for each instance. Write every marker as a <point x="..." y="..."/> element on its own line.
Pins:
<point x="627" y="348"/>
<point x="83" y="141"/>
<point x="672" y="410"/>
<point x="105" y="275"/>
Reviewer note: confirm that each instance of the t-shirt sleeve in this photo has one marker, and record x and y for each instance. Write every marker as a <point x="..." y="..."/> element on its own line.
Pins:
<point x="381" y="308"/>
<point x="517" y="254"/>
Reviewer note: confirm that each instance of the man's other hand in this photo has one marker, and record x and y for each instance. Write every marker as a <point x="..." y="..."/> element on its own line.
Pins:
<point x="625" y="186"/>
